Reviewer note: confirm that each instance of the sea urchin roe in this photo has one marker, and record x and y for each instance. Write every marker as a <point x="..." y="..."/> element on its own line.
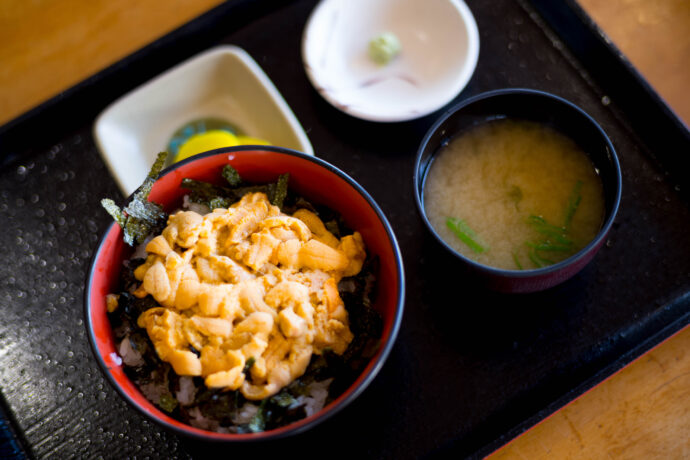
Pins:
<point x="247" y="284"/>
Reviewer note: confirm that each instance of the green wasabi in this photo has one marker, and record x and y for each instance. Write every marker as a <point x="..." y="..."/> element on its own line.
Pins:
<point x="383" y="48"/>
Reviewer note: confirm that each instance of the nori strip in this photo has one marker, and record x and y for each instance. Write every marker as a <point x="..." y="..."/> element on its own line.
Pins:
<point x="156" y="169"/>
<point x="333" y="227"/>
<point x="146" y="211"/>
<point x="248" y="364"/>
<point x="292" y="204"/>
<point x="133" y="307"/>
<point x="136" y="231"/>
<point x="242" y="191"/>
<point x="167" y="403"/>
<point x="284" y="399"/>
<point x="220" y="202"/>
<point x="215" y="196"/>
<point x="140" y="217"/>
<point x="114" y="210"/>
<point x="129" y="281"/>
<point x="204" y="190"/>
<point x="217" y="404"/>
<point x="258" y="423"/>
<point x="231" y="175"/>
<point x="279" y="191"/>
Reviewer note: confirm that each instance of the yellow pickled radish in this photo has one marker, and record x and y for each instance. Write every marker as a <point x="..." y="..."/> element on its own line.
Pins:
<point x="248" y="140"/>
<point x="203" y="142"/>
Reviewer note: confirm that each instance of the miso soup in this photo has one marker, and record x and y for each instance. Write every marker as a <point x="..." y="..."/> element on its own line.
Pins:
<point x="514" y="194"/>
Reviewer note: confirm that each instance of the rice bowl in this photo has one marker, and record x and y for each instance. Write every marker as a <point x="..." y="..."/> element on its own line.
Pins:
<point x="311" y="176"/>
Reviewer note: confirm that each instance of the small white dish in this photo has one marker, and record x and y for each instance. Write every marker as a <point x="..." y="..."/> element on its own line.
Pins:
<point x="223" y="82"/>
<point x="439" y="51"/>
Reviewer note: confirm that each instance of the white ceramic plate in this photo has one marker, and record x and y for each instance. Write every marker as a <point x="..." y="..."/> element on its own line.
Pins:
<point x="439" y="50"/>
<point x="223" y="82"/>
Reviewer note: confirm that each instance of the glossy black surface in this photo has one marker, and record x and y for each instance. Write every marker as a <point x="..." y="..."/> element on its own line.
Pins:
<point x="469" y="367"/>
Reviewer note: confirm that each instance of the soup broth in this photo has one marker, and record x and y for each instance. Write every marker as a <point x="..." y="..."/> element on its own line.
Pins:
<point x="514" y="194"/>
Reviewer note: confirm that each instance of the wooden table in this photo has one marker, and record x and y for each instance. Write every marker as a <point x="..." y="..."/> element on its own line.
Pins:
<point x="643" y="411"/>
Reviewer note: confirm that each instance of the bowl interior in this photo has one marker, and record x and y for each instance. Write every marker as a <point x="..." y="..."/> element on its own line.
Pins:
<point x="439" y="50"/>
<point x="308" y="177"/>
<point x="532" y="106"/>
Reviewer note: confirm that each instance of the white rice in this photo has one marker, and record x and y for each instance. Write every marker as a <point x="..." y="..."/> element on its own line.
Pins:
<point x="129" y="355"/>
<point x="196" y="207"/>
<point x="185" y="395"/>
<point x="197" y="420"/>
<point x="153" y="392"/>
<point x="140" y="251"/>
<point x="246" y="414"/>
<point x="318" y="392"/>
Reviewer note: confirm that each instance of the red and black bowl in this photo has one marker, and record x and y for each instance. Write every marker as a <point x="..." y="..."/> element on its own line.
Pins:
<point x="313" y="179"/>
<point x="541" y="107"/>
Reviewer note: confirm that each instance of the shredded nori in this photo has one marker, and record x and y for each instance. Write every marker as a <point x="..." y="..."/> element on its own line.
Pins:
<point x="333" y="227"/>
<point x="219" y="202"/>
<point x="215" y="196"/>
<point x="278" y="192"/>
<point x="127" y="273"/>
<point x="140" y="217"/>
<point x="231" y="175"/>
<point x="258" y="423"/>
<point x="284" y="399"/>
<point x="167" y="403"/>
<point x="248" y="365"/>
<point x="114" y="211"/>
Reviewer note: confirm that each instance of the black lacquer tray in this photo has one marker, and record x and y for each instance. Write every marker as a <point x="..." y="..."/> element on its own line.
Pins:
<point x="471" y="368"/>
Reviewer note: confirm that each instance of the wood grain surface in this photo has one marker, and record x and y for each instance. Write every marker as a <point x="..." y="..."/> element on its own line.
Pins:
<point x="46" y="46"/>
<point x="643" y="411"/>
<point x="655" y="37"/>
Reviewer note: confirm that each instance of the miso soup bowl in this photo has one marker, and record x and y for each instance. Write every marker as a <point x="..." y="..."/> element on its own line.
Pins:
<point x="312" y="178"/>
<point x="541" y="107"/>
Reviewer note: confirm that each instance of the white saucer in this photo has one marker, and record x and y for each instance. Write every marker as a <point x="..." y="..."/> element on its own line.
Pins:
<point x="439" y="51"/>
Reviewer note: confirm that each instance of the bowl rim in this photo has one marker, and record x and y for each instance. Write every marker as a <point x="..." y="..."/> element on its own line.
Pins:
<point x="418" y="182"/>
<point x="327" y="411"/>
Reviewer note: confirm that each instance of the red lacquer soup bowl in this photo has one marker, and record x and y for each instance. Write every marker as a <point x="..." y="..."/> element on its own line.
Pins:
<point x="311" y="178"/>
